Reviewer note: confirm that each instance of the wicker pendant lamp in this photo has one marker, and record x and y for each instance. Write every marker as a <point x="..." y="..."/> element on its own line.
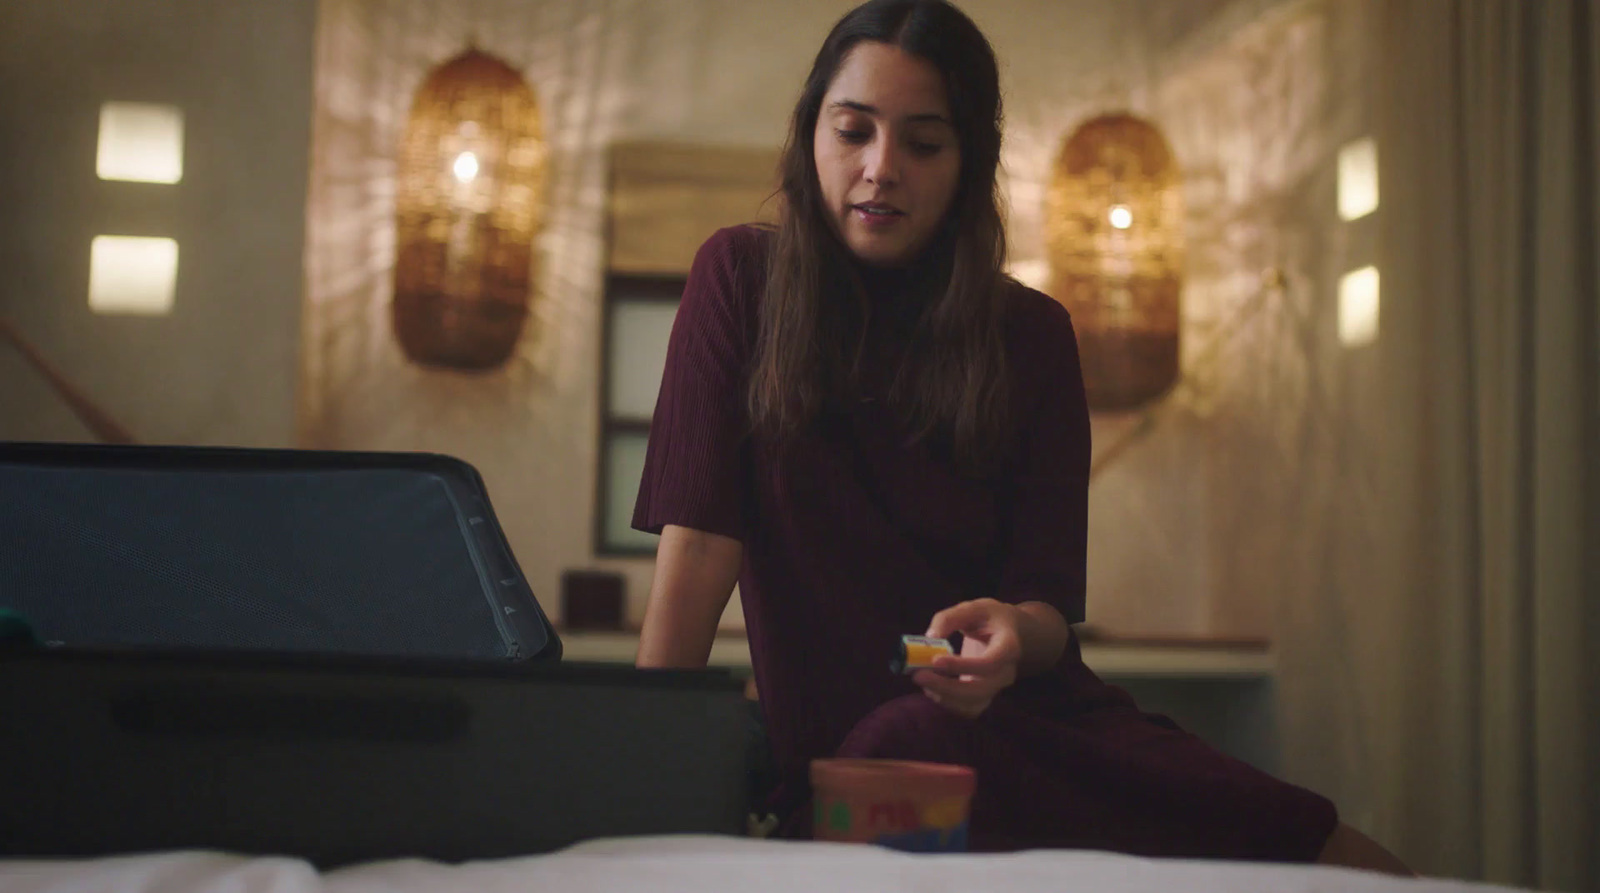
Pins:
<point x="1114" y="231"/>
<point x="468" y="207"/>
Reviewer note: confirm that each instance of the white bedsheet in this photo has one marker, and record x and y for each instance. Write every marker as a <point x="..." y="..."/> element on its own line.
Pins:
<point x="703" y="865"/>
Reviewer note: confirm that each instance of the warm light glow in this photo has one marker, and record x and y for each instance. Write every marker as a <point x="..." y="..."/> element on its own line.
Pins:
<point x="132" y="274"/>
<point x="1358" y="179"/>
<point x="466" y="167"/>
<point x="1358" y="307"/>
<point x="1032" y="273"/>
<point x="1120" y="216"/>
<point x="140" y="141"/>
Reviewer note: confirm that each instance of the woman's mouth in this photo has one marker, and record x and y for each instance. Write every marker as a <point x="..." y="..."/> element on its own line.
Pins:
<point x="876" y="214"/>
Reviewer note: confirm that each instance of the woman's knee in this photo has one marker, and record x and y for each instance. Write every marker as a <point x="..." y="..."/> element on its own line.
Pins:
<point x="911" y="727"/>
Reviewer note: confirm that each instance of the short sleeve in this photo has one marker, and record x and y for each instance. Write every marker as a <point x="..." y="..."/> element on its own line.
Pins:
<point x="693" y="469"/>
<point x="1047" y="493"/>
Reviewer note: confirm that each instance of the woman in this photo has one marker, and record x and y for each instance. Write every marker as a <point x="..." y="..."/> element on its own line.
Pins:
<point x="873" y="431"/>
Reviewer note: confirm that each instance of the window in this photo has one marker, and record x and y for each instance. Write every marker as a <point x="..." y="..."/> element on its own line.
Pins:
<point x="664" y="200"/>
<point x="639" y="311"/>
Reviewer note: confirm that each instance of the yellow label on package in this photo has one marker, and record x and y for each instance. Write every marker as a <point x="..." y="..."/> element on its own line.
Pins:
<point x="918" y="653"/>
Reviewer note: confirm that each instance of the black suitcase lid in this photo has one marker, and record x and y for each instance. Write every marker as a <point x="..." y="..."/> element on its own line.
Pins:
<point x="270" y="550"/>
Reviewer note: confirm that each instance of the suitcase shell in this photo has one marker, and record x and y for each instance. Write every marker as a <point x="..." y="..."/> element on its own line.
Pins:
<point x="346" y="759"/>
<point x="262" y="550"/>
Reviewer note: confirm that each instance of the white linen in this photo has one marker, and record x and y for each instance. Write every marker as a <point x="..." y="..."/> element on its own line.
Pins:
<point x="704" y="865"/>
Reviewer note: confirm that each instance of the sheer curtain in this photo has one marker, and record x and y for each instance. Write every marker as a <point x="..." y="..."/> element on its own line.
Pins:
<point x="1484" y="700"/>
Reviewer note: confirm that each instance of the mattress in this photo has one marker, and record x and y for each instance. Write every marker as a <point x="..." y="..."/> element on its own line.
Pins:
<point x="705" y="865"/>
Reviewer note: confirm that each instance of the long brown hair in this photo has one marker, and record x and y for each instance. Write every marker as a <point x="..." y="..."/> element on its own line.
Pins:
<point x="953" y="385"/>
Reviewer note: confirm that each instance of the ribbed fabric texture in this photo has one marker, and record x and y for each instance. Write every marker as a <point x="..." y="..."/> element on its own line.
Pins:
<point x="853" y="537"/>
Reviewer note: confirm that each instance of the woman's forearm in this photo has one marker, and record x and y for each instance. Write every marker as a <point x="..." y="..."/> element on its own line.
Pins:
<point x="695" y="575"/>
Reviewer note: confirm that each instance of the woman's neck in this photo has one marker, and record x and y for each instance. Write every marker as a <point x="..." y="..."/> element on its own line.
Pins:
<point x="879" y="280"/>
<point x="897" y="296"/>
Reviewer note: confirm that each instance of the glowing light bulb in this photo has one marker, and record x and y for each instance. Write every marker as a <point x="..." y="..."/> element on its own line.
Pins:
<point x="465" y="167"/>
<point x="1120" y="216"/>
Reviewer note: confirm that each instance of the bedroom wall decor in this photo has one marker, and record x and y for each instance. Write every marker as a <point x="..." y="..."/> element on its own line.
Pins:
<point x="468" y="208"/>
<point x="1114" y="234"/>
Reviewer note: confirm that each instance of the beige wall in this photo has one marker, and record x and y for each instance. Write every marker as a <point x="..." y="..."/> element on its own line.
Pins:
<point x="1232" y="503"/>
<point x="1195" y="530"/>
<point x="711" y="71"/>
<point x="1281" y="432"/>
<point x="221" y="368"/>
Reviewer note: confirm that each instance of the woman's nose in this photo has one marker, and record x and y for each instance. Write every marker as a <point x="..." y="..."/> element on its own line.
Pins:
<point x="882" y="163"/>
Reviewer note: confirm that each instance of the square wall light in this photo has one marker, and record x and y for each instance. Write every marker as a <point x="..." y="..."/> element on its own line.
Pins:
<point x="1358" y="307"/>
<point x="141" y="142"/>
<point x="132" y="275"/>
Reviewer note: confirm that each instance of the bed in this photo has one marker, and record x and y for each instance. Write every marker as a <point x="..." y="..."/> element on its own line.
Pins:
<point x="701" y="863"/>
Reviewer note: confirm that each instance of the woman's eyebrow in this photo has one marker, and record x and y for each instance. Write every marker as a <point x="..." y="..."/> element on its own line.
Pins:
<point x="866" y="109"/>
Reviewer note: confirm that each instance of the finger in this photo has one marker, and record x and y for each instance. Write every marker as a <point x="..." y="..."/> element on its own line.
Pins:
<point x="931" y="680"/>
<point x="1000" y="647"/>
<point x="1001" y="651"/>
<point x="959" y="618"/>
<point x="943" y="686"/>
<point x="985" y="687"/>
<point x="966" y="688"/>
<point x="951" y="665"/>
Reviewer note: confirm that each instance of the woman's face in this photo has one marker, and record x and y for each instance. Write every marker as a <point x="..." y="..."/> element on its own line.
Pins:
<point x="887" y="156"/>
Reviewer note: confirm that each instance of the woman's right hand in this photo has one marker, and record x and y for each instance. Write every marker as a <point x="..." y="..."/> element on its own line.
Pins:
<point x="695" y="575"/>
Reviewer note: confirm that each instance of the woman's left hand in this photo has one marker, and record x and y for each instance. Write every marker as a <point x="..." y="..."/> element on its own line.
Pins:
<point x="991" y="650"/>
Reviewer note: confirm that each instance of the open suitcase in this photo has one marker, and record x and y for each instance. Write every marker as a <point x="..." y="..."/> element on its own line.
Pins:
<point x="325" y="655"/>
<point x="261" y="550"/>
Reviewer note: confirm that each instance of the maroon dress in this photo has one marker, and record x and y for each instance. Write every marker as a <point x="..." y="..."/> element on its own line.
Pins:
<point x="852" y="538"/>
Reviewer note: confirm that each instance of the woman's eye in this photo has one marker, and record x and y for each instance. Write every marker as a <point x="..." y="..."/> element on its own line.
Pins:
<point x="852" y="136"/>
<point x="926" y="149"/>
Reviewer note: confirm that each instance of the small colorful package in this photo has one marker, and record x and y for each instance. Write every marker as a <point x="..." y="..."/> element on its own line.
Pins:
<point x="900" y="804"/>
